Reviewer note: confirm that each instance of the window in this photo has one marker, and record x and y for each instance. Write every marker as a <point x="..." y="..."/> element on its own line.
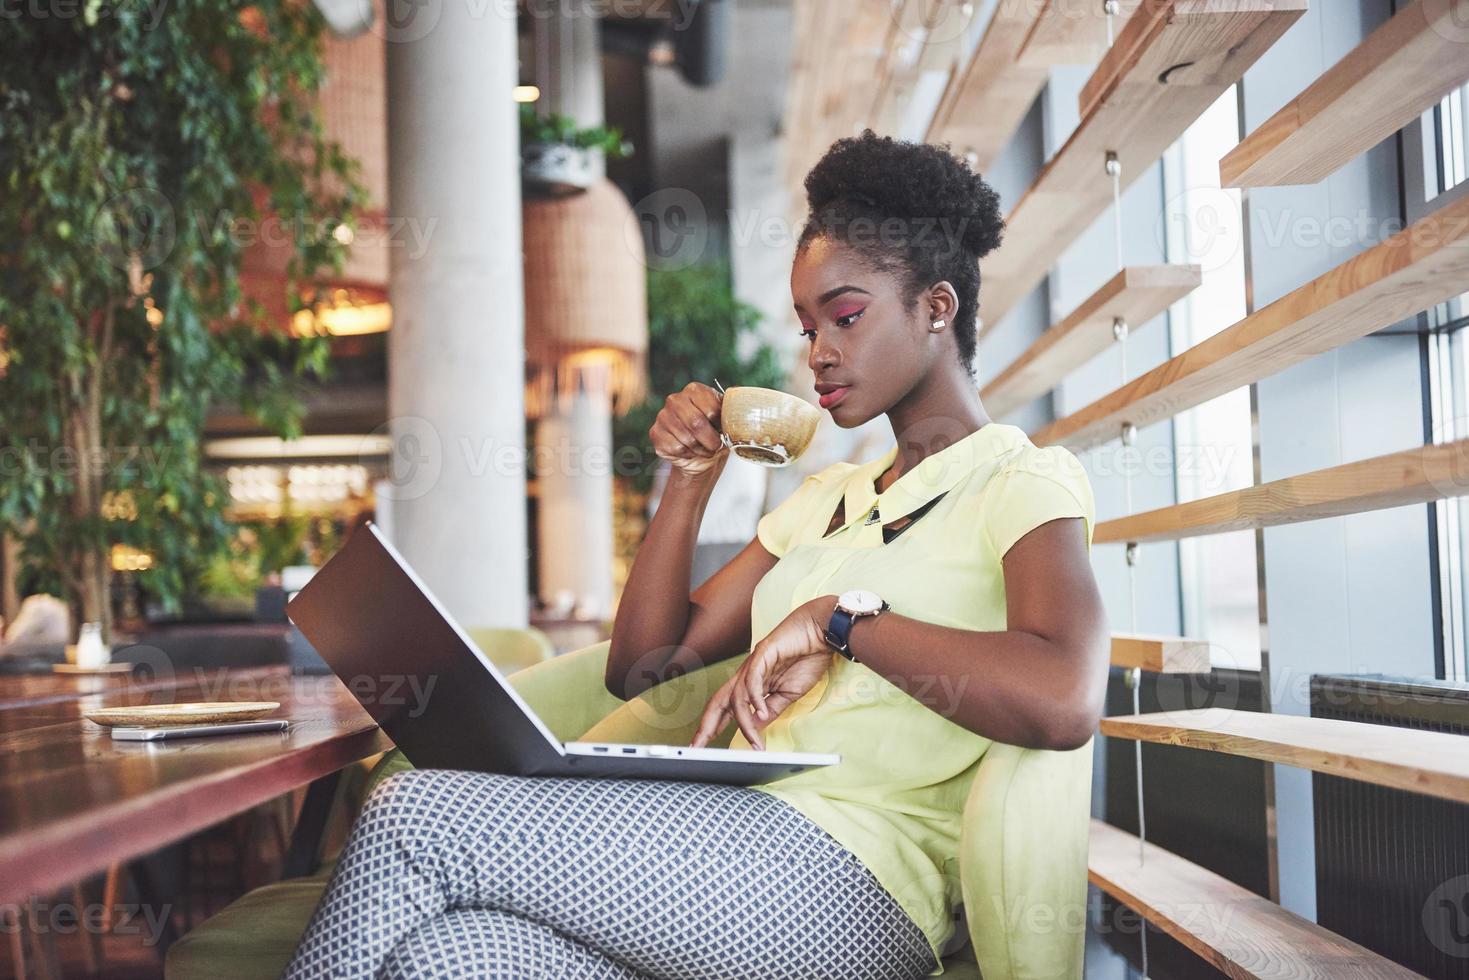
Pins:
<point x="1213" y="445"/>
<point x="1452" y="137"/>
<point x="1436" y="172"/>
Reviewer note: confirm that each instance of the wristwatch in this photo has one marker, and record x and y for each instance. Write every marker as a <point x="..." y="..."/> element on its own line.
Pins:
<point x="851" y="606"/>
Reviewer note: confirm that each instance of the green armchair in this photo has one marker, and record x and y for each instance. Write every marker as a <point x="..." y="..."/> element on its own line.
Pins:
<point x="1022" y="861"/>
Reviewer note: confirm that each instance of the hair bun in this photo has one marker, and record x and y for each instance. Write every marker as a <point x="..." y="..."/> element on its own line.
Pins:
<point x="912" y="181"/>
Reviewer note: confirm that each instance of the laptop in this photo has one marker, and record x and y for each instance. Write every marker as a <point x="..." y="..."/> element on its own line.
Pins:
<point x="442" y="701"/>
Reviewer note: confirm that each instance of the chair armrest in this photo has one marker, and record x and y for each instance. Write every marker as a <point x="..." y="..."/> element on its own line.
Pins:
<point x="1022" y="861"/>
<point x="569" y="692"/>
<point x="668" y="713"/>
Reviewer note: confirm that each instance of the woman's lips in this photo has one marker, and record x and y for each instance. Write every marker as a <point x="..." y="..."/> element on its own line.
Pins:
<point x="832" y="397"/>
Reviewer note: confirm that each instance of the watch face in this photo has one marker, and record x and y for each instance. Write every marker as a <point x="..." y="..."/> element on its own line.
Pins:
<point x="860" y="602"/>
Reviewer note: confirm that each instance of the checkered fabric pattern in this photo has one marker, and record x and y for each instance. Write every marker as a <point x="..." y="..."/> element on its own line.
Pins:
<point x="460" y="874"/>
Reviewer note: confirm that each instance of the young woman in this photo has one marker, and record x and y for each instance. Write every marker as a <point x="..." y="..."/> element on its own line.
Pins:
<point x="906" y="613"/>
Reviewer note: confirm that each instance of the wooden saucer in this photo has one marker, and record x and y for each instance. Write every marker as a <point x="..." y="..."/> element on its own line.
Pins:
<point x="115" y="668"/>
<point x="194" y="713"/>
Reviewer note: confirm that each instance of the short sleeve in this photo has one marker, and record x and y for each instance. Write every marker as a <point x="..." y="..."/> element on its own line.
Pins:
<point x="780" y="528"/>
<point x="1042" y="485"/>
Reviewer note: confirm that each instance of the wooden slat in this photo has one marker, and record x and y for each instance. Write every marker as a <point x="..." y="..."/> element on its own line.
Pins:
<point x="1402" y="69"/>
<point x="929" y="39"/>
<point x="1424" y="264"/>
<point x="1414" y="476"/>
<point x="840" y="48"/>
<point x="948" y="22"/>
<point x="1431" y="763"/>
<point x="989" y="95"/>
<point x="1238" y="932"/>
<point x="1160" y="654"/>
<point x="1070" y="32"/>
<point x="1137" y="294"/>
<point x="1171" y="61"/>
<point x="896" y="73"/>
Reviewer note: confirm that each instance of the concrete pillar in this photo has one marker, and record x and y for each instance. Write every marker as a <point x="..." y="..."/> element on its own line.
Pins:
<point x="574" y="512"/>
<point x="456" y="350"/>
<point x="568" y="62"/>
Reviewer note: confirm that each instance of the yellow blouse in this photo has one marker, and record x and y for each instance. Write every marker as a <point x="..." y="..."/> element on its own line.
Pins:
<point x="896" y="799"/>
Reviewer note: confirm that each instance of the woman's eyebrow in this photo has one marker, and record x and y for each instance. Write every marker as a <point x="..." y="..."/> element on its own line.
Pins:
<point x="833" y="293"/>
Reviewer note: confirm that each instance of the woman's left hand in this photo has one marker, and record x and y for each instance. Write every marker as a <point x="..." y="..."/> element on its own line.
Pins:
<point x="779" y="670"/>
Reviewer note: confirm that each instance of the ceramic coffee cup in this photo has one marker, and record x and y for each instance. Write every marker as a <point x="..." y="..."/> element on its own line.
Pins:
<point x="766" y="426"/>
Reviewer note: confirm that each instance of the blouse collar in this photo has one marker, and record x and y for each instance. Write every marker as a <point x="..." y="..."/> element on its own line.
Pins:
<point x="938" y="473"/>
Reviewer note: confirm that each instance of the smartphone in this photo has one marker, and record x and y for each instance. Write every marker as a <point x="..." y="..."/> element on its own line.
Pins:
<point x="140" y="733"/>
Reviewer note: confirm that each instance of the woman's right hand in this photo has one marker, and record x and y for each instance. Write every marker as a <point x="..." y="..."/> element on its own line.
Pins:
<point x="686" y="431"/>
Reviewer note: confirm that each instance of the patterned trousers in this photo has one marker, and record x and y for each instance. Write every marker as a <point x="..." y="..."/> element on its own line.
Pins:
<point x="461" y="874"/>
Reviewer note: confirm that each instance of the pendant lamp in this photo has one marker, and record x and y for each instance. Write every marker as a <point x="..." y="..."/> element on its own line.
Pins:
<point x="586" y="304"/>
<point x="353" y="111"/>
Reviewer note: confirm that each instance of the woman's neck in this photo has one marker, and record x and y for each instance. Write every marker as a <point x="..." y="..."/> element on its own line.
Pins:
<point x="933" y="416"/>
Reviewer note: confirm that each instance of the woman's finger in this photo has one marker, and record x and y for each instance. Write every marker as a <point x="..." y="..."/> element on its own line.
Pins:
<point x="711" y="723"/>
<point x="708" y="401"/>
<point x="683" y="443"/>
<point x="739" y="703"/>
<point x="777" y="701"/>
<point x="697" y="425"/>
<point x="715" y="715"/>
<point x="755" y="679"/>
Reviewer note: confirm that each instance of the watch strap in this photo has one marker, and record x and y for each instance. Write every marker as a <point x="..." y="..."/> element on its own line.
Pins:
<point x="838" y="630"/>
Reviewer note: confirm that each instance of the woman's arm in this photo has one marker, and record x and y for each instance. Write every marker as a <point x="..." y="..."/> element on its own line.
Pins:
<point x="662" y="631"/>
<point x="1037" y="684"/>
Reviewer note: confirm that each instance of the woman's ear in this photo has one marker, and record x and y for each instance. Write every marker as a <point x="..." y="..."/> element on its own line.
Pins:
<point x="943" y="303"/>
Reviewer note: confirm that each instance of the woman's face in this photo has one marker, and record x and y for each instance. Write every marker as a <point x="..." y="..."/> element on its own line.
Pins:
<point x="868" y="348"/>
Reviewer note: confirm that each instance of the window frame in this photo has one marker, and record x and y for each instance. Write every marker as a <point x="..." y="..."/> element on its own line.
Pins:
<point x="1446" y="375"/>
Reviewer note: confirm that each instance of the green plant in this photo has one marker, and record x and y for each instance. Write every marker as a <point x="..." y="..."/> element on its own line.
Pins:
<point x="279" y="543"/>
<point x="555" y="127"/>
<point x="696" y="331"/>
<point x="233" y="573"/>
<point x="143" y="147"/>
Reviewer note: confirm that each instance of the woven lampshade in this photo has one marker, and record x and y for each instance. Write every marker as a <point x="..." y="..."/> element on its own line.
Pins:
<point x="354" y="114"/>
<point x="586" y="304"/>
<point x="353" y="109"/>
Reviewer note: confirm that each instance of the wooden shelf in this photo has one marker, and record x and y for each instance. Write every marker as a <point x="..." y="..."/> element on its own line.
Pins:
<point x="926" y="38"/>
<point x="1432" y="763"/>
<point x="1137" y="294"/>
<point x="1235" y="930"/>
<point x="1160" y="654"/>
<point x="1414" y="476"/>
<point x="829" y="97"/>
<point x="1402" y="69"/>
<point x="1424" y="264"/>
<point x="1069" y="32"/>
<point x="1170" y="62"/>
<point x="989" y="95"/>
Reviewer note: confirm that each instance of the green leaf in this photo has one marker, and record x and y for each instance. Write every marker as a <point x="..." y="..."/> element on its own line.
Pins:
<point x="133" y="137"/>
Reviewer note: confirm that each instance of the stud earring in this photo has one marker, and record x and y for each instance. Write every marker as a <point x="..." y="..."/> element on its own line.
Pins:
<point x="937" y="325"/>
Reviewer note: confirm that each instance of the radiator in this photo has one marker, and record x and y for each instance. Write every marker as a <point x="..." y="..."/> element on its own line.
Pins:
<point x="1207" y="807"/>
<point x="1392" y="867"/>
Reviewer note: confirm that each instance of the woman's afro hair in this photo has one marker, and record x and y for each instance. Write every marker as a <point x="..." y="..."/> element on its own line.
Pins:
<point x="913" y="209"/>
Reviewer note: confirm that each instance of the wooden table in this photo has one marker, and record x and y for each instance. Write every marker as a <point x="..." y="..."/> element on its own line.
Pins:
<point x="73" y="802"/>
<point x="30" y="690"/>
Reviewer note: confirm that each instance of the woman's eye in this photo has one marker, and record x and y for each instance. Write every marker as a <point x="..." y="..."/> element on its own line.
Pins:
<point x="849" y="319"/>
<point x="809" y="333"/>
